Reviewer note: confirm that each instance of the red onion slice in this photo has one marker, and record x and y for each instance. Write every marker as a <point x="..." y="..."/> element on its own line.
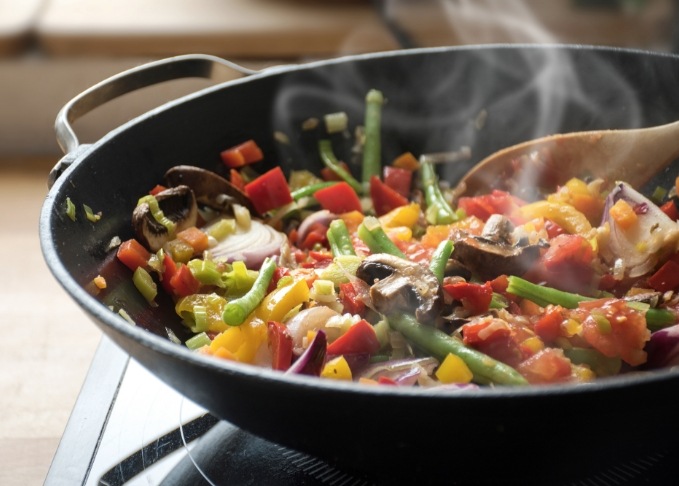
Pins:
<point x="251" y="246"/>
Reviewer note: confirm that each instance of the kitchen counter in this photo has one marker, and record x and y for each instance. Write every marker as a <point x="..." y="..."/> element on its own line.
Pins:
<point x="47" y="341"/>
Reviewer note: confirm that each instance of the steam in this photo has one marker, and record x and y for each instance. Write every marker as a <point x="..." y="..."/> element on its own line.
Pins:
<point x="435" y="101"/>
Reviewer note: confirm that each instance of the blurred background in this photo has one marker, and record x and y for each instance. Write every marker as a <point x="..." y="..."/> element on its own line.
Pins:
<point x="51" y="50"/>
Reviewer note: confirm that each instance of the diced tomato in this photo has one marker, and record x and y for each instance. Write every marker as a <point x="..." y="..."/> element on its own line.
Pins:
<point x="237" y="179"/>
<point x="384" y="198"/>
<point x="245" y="153"/>
<point x="548" y="326"/>
<point x="567" y="264"/>
<point x="349" y="297"/>
<point x="133" y="254"/>
<point x="183" y="282"/>
<point x="398" y="179"/>
<point x="496" y="338"/>
<point x="614" y="329"/>
<point x="546" y="366"/>
<point x="666" y="277"/>
<point x="338" y="198"/>
<point x="497" y="202"/>
<point x="280" y="343"/>
<point x="474" y="297"/>
<point x="269" y="191"/>
<point x="359" y="338"/>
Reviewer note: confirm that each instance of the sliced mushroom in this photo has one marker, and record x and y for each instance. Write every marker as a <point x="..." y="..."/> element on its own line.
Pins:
<point x="399" y="285"/>
<point x="210" y="188"/>
<point x="178" y="204"/>
<point x="498" y="228"/>
<point x="488" y="259"/>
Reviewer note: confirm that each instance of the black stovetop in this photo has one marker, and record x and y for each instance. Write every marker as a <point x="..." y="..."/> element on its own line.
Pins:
<point x="129" y="428"/>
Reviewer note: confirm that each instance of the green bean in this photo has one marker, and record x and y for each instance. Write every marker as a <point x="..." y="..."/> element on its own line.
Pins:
<point x="340" y="239"/>
<point x="438" y="210"/>
<point x="439" y="344"/>
<point x="541" y="295"/>
<point x="372" y="147"/>
<point x="310" y="189"/>
<point x="371" y="233"/>
<point x="237" y="310"/>
<point x="439" y="259"/>
<point x="330" y="160"/>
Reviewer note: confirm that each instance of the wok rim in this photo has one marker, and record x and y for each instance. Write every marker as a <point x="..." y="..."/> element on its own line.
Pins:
<point x="98" y="312"/>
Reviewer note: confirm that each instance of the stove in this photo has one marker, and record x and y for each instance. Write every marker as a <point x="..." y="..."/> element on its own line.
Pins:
<point x="129" y="428"/>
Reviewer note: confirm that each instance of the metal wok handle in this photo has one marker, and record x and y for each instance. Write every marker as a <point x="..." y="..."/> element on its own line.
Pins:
<point x="187" y="66"/>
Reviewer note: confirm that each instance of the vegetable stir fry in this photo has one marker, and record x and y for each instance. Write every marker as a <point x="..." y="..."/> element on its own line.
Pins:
<point x="391" y="279"/>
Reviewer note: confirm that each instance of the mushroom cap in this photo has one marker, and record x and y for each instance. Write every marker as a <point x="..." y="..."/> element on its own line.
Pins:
<point x="178" y="204"/>
<point x="210" y="188"/>
<point x="400" y="285"/>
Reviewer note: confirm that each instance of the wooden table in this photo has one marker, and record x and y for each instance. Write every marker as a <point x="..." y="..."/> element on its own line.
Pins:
<point x="47" y="341"/>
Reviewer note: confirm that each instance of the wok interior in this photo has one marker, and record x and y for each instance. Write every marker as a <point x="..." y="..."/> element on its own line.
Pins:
<point x="438" y="100"/>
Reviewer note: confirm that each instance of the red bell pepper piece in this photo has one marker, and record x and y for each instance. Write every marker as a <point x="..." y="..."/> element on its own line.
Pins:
<point x="158" y="188"/>
<point x="133" y="254"/>
<point x="384" y="198"/>
<point x="359" y="338"/>
<point x="183" y="282"/>
<point x="280" y="343"/>
<point x="245" y="153"/>
<point x="398" y="179"/>
<point x="666" y="277"/>
<point x="269" y="191"/>
<point x="474" y="297"/>
<point x="237" y="179"/>
<point x="338" y="198"/>
<point x="169" y="270"/>
<point x="497" y="202"/>
<point x="350" y="300"/>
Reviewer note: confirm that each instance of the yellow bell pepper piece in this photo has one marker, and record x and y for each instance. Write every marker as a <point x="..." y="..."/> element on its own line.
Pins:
<point x="337" y="369"/>
<point x="407" y="216"/>
<point x="278" y="303"/>
<point x="453" y="370"/>
<point x="565" y="215"/>
<point x="240" y="342"/>
<point x="399" y="233"/>
<point x="214" y="305"/>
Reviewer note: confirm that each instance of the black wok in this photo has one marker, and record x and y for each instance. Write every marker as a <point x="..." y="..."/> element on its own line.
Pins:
<point x="438" y="99"/>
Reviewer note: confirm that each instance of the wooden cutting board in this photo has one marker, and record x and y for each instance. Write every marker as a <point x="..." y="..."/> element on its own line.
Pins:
<point x="241" y="28"/>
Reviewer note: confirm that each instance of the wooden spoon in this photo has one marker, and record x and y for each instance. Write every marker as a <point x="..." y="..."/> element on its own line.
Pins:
<point x="633" y="155"/>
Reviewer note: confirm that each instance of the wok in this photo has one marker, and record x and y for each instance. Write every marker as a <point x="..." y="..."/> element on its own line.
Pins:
<point x="439" y="99"/>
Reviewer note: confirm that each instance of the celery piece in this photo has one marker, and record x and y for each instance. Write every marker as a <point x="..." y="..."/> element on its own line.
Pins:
<point x="336" y="122"/>
<point x="199" y="318"/>
<point x="239" y="280"/>
<point x="91" y="215"/>
<point x="324" y="287"/>
<point x="198" y="341"/>
<point x="341" y="269"/>
<point x="222" y="228"/>
<point x="70" y="209"/>
<point x="206" y="272"/>
<point x="145" y="284"/>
